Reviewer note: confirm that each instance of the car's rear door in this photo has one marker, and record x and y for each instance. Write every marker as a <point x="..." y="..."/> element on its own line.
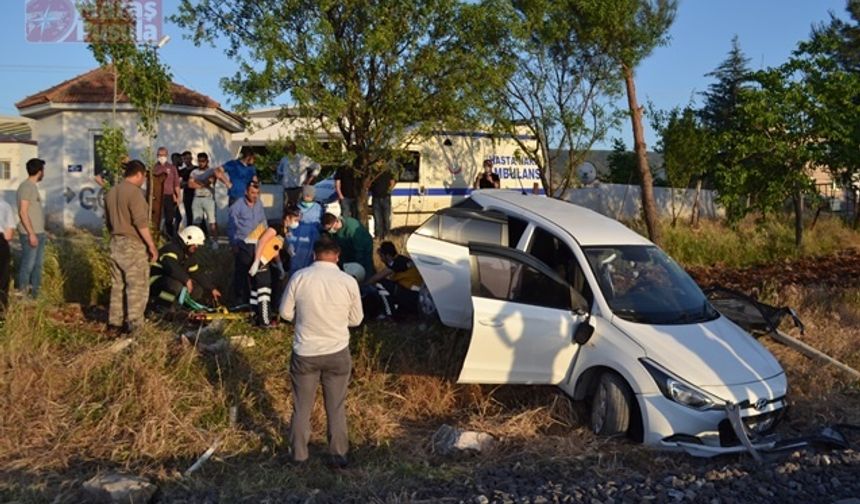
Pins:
<point x="523" y="320"/>
<point x="440" y="251"/>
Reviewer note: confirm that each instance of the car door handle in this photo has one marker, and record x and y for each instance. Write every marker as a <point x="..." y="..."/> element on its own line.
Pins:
<point x="429" y="260"/>
<point x="491" y="323"/>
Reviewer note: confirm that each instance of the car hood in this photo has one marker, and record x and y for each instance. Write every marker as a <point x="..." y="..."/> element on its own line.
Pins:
<point x="714" y="353"/>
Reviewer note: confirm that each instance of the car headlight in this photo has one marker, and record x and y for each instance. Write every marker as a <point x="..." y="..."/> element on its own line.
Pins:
<point x="677" y="390"/>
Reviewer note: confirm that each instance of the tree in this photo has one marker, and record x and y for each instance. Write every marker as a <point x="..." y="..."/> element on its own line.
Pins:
<point x="137" y="72"/>
<point x="778" y="146"/>
<point x="559" y="91"/>
<point x="687" y="147"/>
<point x="830" y="65"/>
<point x="628" y="31"/>
<point x="732" y="76"/>
<point x="376" y="76"/>
<point x="622" y="164"/>
<point x="721" y="116"/>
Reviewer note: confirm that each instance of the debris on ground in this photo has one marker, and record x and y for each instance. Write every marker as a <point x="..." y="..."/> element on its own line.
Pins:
<point x="448" y="439"/>
<point x="115" y="488"/>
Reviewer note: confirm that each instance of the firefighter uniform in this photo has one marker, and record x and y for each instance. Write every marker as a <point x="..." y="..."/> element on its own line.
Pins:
<point x="171" y="271"/>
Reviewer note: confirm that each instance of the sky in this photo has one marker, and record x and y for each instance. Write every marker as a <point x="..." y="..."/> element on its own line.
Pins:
<point x="700" y="38"/>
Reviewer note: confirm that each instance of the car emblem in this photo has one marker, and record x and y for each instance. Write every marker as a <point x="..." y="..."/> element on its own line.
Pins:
<point x="761" y="404"/>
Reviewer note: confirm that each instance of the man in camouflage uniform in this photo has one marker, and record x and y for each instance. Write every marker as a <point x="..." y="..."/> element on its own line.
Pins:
<point x="131" y="249"/>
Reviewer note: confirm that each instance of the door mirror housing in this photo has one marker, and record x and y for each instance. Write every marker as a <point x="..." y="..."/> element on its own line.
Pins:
<point x="583" y="333"/>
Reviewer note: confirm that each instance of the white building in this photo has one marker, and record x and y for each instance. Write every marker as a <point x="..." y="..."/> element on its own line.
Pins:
<point x="67" y="119"/>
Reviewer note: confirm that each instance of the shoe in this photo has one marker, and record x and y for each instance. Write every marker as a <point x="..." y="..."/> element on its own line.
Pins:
<point x="213" y="244"/>
<point x="337" y="462"/>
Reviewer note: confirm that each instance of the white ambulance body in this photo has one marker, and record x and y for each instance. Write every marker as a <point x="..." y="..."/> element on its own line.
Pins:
<point x="441" y="172"/>
<point x="444" y="167"/>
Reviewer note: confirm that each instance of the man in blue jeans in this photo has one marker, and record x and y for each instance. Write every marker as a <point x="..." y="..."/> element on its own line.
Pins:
<point x="31" y="229"/>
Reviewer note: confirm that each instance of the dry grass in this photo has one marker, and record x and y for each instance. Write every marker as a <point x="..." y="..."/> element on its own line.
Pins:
<point x="752" y="241"/>
<point x="69" y="405"/>
<point x="822" y="394"/>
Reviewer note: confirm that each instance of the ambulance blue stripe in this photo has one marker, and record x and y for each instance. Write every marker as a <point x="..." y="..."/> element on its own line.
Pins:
<point x="447" y="191"/>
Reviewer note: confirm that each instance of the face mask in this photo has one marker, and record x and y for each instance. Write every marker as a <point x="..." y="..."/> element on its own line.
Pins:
<point x="293" y="225"/>
<point x="307" y="204"/>
<point x="162" y="159"/>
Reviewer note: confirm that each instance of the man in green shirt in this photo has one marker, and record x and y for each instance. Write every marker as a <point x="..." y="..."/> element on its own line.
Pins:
<point x="31" y="229"/>
<point x="355" y="242"/>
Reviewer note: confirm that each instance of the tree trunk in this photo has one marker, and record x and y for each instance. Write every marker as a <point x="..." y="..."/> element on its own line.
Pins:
<point x="361" y="202"/>
<point x="798" y="219"/>
<point x="649" y="207"/>
<point x="694" y="213"/>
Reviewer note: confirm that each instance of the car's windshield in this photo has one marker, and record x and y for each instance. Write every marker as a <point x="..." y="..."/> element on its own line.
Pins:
<point x="642" y="284"/>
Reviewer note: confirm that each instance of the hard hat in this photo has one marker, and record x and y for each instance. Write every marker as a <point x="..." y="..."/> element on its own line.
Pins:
<point x="192" y="235"/>
<point x="354" y="270"/>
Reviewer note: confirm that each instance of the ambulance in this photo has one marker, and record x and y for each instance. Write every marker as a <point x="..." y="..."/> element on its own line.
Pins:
<point x="441" y="171"/>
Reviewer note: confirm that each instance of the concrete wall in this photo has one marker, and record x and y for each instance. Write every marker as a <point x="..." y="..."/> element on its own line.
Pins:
<point x="625" y="201"/>
<point x="17" y="154"/>
<point x="73" y="199"/>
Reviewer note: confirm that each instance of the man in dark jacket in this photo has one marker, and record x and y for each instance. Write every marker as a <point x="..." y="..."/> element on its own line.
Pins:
<point x="176" y="277"/>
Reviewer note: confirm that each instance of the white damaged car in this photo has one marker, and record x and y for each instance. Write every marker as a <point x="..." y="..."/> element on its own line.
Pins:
<point x="554" y="293"/>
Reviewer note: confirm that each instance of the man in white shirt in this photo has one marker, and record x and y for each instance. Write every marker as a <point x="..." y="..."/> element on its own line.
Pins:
<point x="294" y="171"/>
<point x="323" y="302"/>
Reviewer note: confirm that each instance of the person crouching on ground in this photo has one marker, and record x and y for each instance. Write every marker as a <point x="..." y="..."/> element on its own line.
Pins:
<point x="177" y="275"/>
<point x="398" y="283"/>
<point x="355" y="242"/>
<point x="322" y="302"/>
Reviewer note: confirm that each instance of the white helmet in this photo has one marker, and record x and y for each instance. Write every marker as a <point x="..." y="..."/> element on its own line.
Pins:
<point x="192" y="235"/>
<point x="354" y="270"/>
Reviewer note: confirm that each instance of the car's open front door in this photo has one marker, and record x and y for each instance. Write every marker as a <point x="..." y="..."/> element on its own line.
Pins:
<point x="524" y="320"/>
<point x="441" y="254"/>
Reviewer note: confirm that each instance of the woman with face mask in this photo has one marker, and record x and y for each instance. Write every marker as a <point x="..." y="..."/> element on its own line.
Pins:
<point x="312" y="211"/>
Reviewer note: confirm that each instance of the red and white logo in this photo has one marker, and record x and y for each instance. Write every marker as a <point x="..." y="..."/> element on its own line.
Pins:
<point x="50" y="20"/>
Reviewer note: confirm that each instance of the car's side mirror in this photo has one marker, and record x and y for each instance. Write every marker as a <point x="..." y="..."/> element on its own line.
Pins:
<point x="583" y="333"/>
<point x="578" y="304"/>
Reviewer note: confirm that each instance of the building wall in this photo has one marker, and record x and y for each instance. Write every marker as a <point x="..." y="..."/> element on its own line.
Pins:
<point x="66" y="142"/>
<point x="17" y="154"/>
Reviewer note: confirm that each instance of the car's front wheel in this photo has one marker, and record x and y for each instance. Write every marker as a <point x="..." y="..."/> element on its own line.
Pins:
<point x="611" y="405"/>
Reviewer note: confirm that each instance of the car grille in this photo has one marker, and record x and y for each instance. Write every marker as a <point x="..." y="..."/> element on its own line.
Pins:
<point x="757" y="425"/>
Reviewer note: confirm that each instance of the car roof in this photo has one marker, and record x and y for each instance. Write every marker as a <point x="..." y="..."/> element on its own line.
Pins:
<point x="586" y="226"/>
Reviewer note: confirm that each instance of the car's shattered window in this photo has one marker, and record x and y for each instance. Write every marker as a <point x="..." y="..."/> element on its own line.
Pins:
<point x="642" y="284"/>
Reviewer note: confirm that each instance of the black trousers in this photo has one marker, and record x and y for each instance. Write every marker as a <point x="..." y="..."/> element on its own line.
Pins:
<point x="188" y="201"/>
<point x="168" y="212"/>
<point x="5" y="273"/>
<point x="242" y="262"/>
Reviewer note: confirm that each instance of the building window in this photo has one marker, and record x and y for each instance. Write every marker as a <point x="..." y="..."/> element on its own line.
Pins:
<point x="5" y="169"/>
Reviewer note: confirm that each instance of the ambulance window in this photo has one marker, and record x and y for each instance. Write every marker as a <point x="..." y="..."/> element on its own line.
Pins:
<point x="409" y="166"/>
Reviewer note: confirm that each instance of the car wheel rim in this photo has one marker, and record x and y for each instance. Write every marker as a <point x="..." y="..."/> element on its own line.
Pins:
<point x="598" y="414"/>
